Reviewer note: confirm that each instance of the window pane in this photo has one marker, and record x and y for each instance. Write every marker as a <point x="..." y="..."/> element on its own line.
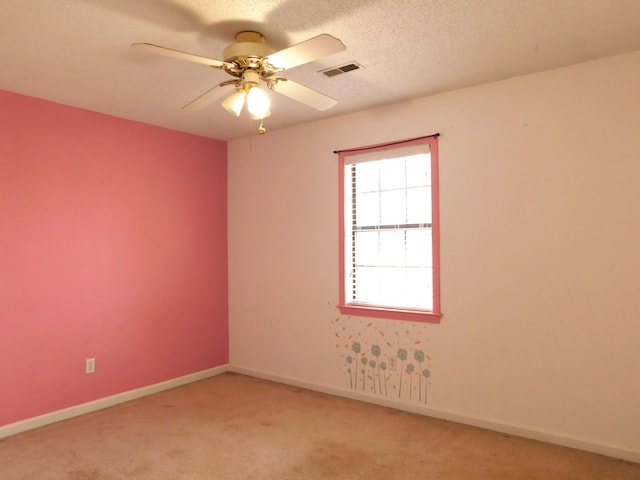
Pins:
<point x="418" y="170"/>
<point x="390" y="271"/>
<point x="392" y="174"/>
<point x="392" y="286"/>
<point x="419" y="205"/>
<point x="367" y="285"/>
<point x="392" y="249"/>
<point x="409" y="288"/>
<point x="367" y="209"/>
<point x="419" y="288"/>
<point x="367" y="248"/>
<point x="419" y="248"/>
<point x="393" y="207"/>
<point x="368" y="177"/>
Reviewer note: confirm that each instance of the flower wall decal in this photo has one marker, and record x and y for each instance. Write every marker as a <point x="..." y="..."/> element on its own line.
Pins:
<point x="396" y="354"/>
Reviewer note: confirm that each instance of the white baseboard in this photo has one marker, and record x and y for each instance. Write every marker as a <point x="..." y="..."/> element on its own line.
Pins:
<point x="106" y="402"/>
<point x="489" y="424"/>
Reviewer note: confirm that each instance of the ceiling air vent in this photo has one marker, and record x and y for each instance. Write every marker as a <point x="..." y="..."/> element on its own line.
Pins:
<point x="333" y="71"/>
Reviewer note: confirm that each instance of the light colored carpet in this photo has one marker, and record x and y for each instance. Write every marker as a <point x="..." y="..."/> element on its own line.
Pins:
<point x="236" y="427"/>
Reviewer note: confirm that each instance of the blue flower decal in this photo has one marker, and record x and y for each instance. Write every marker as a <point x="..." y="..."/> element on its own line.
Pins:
<point x="426" y="374"/>
<point x="355" y="347"/>
<point x="402" y="355"/>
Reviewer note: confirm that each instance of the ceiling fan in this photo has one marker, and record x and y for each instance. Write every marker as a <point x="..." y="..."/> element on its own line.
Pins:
<point x="249" y="59"/>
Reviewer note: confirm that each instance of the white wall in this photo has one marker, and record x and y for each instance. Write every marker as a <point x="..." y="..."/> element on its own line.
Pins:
<point x="540" y="182"/>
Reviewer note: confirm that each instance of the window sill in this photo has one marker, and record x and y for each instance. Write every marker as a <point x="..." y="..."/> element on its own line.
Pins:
<point x="390" y="313"/>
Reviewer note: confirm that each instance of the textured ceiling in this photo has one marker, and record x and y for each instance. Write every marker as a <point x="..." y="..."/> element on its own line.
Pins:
<point x="76" y="52"/>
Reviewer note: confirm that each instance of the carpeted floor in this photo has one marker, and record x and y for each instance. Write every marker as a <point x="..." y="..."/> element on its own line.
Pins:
<point x="236" y="427"/>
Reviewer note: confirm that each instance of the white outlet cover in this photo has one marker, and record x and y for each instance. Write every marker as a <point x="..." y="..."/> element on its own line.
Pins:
<point x="90" y="365"/>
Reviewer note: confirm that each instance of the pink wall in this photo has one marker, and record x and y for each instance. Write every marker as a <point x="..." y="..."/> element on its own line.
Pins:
<point x="112" y="245"/>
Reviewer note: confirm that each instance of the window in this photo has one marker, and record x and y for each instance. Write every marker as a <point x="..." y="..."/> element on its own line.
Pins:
<point x="389" y="258"/>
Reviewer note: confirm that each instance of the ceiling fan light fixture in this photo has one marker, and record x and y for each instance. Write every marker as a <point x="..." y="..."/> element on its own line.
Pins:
<point x="234" y="102"/>
<point x="260" y="117"/>
<point x="258" y="102"/>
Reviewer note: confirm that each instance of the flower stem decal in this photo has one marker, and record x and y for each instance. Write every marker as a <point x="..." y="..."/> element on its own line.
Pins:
<point x="375" y="351"/>
<point x="350" y="361"/>
<point x="426" y="374"/>
<point x="418" y="355"/>
<point x="410" y="373"/>
<point x="356" y="349"/>
<point x="402" y="355"/>
<point x="383" y="367"/>
<point x="372" y="364"/>
<point x="363" y="360"/>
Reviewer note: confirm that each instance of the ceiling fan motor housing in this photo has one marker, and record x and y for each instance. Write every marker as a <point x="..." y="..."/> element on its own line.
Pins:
<point x="248" y="50"/>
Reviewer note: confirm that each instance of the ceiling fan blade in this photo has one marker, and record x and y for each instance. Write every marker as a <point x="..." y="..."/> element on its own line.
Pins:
<point x="190" y="57"/>
<point x="208" y="97"/>
<point x="303" y="94"/>
<point x="307" y="51"/>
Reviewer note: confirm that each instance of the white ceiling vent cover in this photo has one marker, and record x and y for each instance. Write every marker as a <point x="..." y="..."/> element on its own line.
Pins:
<point x="348" y="67"/>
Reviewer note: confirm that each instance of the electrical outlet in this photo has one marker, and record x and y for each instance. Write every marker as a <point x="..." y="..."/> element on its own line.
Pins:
<point x="90" y="365"/>
<point x="393" y="365"/>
